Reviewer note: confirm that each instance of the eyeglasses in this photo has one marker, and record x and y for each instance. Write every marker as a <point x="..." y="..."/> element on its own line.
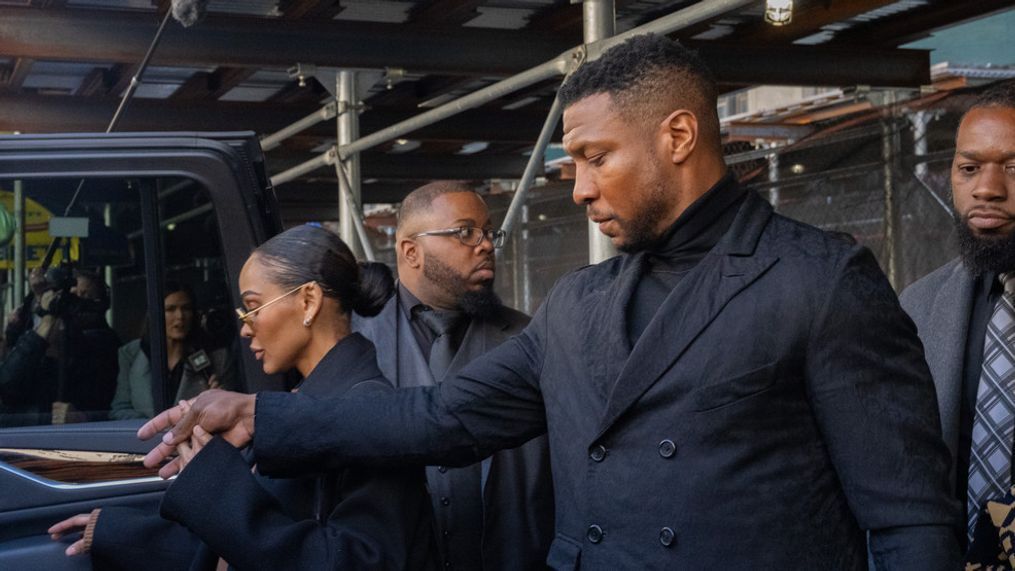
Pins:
<point x="247" y="316"/>
<point x="469" y="235"/>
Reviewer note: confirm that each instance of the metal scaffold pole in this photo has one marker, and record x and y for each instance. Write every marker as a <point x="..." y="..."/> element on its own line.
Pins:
<point x="773" y="177"/>
<point x="19" y="242"/>
<point x="535" y="163"/>
<point x="890" y="148"/>
<point x="355" y="210"/>
<point x="599" y="20"/>
<point x="348" y="186"/>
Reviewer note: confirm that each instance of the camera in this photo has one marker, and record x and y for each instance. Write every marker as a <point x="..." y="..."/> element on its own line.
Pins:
<point x="65" y="304"/>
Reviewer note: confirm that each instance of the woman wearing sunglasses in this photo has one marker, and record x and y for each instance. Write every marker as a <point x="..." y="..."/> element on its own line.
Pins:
<point x="298" y="291"/>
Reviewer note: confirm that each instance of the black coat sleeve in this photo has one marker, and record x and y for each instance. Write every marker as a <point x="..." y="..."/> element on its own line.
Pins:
<point x="492" y="404"/>
<point x="380" y="520"/>
<point x="131" y="538"/>
<point x="875" y="403"/>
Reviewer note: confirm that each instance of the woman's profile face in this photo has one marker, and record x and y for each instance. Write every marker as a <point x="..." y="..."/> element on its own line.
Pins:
<point x="277" y="335"/>
<point x="179" y="315"/>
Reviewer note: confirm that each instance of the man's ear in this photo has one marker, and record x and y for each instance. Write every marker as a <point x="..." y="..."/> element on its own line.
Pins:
<point x="680" y="135"/>
<point x="409" y="251"/>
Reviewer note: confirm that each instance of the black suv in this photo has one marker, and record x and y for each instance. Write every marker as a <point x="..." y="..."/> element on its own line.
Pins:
<point x="139" y="210"/>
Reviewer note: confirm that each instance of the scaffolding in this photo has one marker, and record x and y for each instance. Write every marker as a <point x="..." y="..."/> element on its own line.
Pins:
<point x="883" y="179"/>
<point x="599" y="21"/>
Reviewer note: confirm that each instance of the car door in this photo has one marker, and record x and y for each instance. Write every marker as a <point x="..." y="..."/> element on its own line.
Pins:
<point x="135" y="217"/>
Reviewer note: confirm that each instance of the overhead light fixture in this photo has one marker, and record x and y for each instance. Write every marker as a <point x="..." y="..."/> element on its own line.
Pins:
<point x="778" y="12"/>
<point x="797" y="169"/>
<point x="404" y="146"/>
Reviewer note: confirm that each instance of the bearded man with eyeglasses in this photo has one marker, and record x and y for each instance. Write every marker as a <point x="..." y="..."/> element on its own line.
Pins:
<point x="496" y="514"/>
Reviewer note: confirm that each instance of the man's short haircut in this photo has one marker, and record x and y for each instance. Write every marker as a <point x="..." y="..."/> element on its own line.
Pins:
<point x="998" y="95"/>
<point x="421" y="200"/>
<point x="649" y="77"/>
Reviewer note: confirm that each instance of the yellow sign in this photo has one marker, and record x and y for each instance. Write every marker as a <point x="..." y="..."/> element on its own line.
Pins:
<point x="37" y="238"/>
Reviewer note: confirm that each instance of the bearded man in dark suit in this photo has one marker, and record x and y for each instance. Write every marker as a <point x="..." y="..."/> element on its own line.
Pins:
<point x="496" y="514"/>
<point x="964" y="314"/>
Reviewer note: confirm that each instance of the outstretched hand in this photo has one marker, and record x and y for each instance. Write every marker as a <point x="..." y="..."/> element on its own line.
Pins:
<point x="225" y="413"/>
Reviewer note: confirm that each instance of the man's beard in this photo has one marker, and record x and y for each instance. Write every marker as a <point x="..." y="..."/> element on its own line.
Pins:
<point x="641" y="231"/>
<point x="473" y="303"/>
<point x="984" y="254"/>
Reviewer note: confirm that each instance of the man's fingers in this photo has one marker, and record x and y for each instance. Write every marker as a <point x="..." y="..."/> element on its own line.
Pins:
<point x="163" y="421"/>
<point x="68" y="524"/>
<point x="179" y="420"/>
<point x="159" y="454"/>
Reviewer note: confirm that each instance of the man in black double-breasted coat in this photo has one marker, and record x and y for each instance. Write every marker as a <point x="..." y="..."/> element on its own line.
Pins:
<point x="738" y="391"/>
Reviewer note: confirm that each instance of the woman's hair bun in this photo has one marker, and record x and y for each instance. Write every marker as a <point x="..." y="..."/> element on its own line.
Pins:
<point x="376" y="286"/>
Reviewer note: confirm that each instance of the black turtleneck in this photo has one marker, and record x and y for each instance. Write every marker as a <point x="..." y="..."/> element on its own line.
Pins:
<point x="680" y="248"/>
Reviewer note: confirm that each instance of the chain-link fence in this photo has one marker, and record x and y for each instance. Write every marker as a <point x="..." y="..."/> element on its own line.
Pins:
<point x="886" y="186"/>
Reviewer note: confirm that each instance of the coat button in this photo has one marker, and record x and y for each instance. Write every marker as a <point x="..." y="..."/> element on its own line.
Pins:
<point x="445" y="501"/>
<point x="594" y="534"/>
<point x="667" y="537"/>
<point x="442" y="469"/>
<point x="598" y="453"/>
<point x="667" y="448"/>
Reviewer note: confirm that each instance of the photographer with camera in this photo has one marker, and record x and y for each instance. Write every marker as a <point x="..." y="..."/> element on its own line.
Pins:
<point x="61" y="362"/>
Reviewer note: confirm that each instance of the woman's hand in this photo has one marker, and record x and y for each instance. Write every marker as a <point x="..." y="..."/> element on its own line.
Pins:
<point x="75" y="524"/>
<point x="198" y="439"/>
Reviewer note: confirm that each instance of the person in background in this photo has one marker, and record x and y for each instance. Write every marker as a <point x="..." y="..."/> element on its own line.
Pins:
<point x="496" y="514"/>
<point x="192" y="365"/>
<point x="61" y="366"/>
<point x="965" y="317"/>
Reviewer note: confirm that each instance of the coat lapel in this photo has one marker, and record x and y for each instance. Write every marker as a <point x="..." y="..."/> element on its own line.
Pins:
<point x="605" y="320"/>
<point x="725" y="272"/>
<point x="945" y="347"/>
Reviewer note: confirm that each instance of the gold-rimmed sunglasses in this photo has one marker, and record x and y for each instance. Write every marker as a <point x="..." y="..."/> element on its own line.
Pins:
<point x="244" y="316"/>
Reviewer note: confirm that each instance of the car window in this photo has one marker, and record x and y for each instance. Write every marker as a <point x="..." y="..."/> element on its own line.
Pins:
<point x="79" y="339"/>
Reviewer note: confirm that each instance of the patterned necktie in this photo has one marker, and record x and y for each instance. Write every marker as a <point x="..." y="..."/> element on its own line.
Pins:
<point x="994" y="423"/>
<point x="442" y="323"/>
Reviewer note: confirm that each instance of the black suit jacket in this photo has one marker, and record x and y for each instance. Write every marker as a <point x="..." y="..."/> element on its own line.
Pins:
<point x="516" y="522"/>
<point x="776" y="408"/>
<point x="344" y="519"/>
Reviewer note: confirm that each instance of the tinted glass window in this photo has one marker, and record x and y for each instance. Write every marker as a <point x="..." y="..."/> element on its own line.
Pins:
<point x="77" y="346"/>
